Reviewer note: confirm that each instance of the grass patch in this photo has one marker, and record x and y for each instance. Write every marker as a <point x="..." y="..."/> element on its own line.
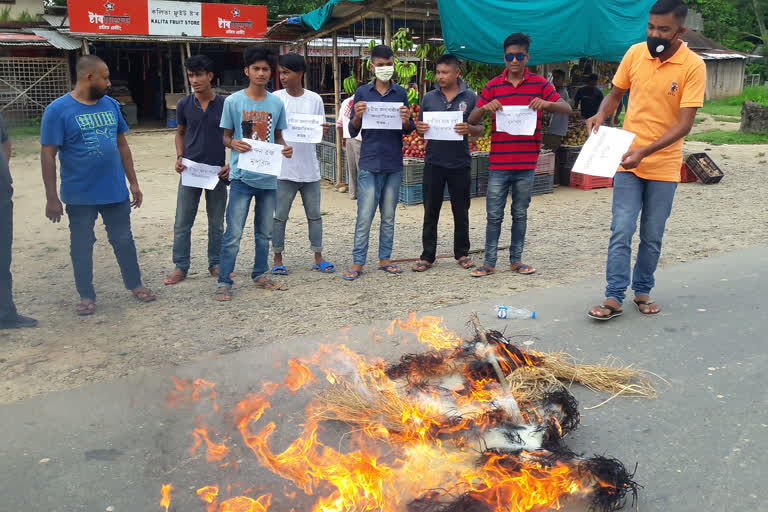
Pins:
<point x="30" y="130"/>
<point x="718" y="137"/>
<point x="726" y="119"/>
<point x="698" y="120"/>
<point x="732" y="106"/>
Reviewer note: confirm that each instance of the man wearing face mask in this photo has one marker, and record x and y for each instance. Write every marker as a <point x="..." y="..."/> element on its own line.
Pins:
<point x="668" y="82"/>
<point x="380" y="168"/>
<point x="87" y="131"/>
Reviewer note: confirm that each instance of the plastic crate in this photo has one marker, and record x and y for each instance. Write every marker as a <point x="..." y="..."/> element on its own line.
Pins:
<point x="698" y="162"/>
<point x="564" y="159"/>
<point x="686" y="175"/>
<point x="473" y="188"/>
<point x="479" y="165"/>
<point x="411" y="194"/>
<point x="413" y="171"/>
<point x="545" y="163"/>
<point x="481" y="187"/>
<point x="543" y="184"/>
<point x="587" y="182"/>
<point x="331" y="135"/>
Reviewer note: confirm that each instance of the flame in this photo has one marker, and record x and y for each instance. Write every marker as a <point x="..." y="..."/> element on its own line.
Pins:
<point x="186" y="392"/>
<point x="246" y="504"/>
<point x="214" y="452"/>
<point x="165" y="496"/>
<point x="429" y="330"/>
<point x="298" y="375"/>
<point x="209" y="494"/>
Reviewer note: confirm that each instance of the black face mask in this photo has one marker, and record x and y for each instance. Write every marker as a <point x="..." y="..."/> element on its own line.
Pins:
<point x="658" y="45"/>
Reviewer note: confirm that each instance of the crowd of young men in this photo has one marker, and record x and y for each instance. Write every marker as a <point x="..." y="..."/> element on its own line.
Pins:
<point x="86" y="130"/>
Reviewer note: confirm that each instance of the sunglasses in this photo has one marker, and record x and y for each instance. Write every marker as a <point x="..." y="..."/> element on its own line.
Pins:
<point x="512" y="56"/>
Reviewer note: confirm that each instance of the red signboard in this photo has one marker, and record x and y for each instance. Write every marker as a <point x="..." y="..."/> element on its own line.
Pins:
<point x="108" y="16"/>
<point x="230" y="20"/>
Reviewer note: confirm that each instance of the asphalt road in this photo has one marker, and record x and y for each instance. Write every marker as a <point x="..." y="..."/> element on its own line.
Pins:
<point x="702" y="445"/>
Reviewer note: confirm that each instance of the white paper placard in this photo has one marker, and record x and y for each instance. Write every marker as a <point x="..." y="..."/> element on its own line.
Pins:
<point x="601" y="154"/>
<point x="442" y="125"/>
<point x="306" y="128"/>
<point x="382" y="115"/>
<point x="516" y="120"/>
<point x="199" y="175"/>
<point x="264" y="158"/>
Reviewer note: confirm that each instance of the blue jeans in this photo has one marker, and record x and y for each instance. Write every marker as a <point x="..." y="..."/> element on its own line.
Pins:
<point x="187" y="203"/>
<point x="518" y="184"/>
<point x="240" y="196"/>
<point x="310" y="196"/>
<point x="631" y="196"/>
<point x="117" y="221"/>
<point x="375" y="190"/>
<point x="7" y="307"/>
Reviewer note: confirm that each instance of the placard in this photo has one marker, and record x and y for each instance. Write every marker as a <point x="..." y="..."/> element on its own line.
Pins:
<point x="442" y="125"/>
<point x="382" y="115"/>
<point x="199" y="175"/>
<point x="306" y="128"/>
<point x="517" y="120"/>
<point x="601" y="154"/>
<point x="264" y="158"/>
<point x="174" y="18"/>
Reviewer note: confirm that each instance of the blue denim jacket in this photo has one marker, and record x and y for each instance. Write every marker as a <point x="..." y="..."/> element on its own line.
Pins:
<point x="382" y="150"/>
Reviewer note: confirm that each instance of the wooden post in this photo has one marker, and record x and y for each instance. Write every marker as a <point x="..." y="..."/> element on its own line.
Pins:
<point x="184" y="69"/>
<point x="189" y="50"/>
<point x="170" y="66"/>
<point x="85" y="49"/>
<point x="336" y="104"/>
<point x="306" y="73"/>
<point x="388" y="29"/>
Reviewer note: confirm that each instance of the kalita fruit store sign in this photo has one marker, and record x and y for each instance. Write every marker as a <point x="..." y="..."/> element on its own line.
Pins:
<point x="168" y="18"/>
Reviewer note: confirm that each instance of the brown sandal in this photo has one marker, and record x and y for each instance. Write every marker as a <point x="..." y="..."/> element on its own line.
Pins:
<point x="175" y="277"/>
<point x="421" y="266"/>
<point x="144" y="295"/>
<point x="223" y="294"/>
<point x="266" y="283"/>
<point x="85" y="308"/>
<point x="465" y="263"/>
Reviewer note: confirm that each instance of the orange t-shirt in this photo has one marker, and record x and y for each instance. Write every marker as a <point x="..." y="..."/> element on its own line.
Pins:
<point x="658" y="90"/>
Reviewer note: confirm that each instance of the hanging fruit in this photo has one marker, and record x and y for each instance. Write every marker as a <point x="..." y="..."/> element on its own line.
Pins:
<point x="350" y="85"/>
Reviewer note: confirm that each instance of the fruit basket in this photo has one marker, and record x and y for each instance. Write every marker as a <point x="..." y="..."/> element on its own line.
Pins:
<point x="704" y="168"/>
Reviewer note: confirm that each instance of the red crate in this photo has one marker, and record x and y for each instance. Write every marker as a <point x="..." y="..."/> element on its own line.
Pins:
<point x="546" y="163"/>
<point x="686" y="175"/>
<point x="587" y="182"/>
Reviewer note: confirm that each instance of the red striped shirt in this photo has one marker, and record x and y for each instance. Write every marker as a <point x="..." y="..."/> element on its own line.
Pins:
<point x="516" y="152"/>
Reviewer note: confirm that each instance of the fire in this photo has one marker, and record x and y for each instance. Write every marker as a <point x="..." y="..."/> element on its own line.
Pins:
<point x="429" y="330"/>
<point x="214" y="452"/>
<point x="187" y="391"/>
<point x="246" y="504"/>
<point x="165" y="496"/>
<point x="298" y="376"/>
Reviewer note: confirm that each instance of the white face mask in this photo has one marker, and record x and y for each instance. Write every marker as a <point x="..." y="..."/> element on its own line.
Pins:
<point x="384" y="73"/>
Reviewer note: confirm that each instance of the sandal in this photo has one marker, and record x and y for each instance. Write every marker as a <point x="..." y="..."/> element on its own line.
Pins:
<point x="391" y="269"/>
<point x="223" y="294"/>
<point x="614" y="312"/>
<point x="279" y="270"/>
<point x="85" y="308"/>
<point x="522" y="269"/>
<point x="214" y="271"/>
<point x="482" y="271"/>
<point x="144" y="295"/>
<point x="175" y="277"/>
<point x="465" y="263"/>
<point x="324" y="267"/>
<point x="266" y="284"/>
<point x="421" y="266"/>
<point x="647" y="303"/>
<point x="351" y="275"/>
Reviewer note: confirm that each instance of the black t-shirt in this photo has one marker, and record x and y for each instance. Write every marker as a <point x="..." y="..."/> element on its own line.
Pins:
<point x="203" y="141"/>
<point x="590" y="99"/>
<point x="448" y="153"/>
<point x="5" y="172"/>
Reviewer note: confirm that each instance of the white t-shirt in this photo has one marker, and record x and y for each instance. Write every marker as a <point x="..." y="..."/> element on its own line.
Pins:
<point x="303" y="166"/>
<point x="345" y="115"/>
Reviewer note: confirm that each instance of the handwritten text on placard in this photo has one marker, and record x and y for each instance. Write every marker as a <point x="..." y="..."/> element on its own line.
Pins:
<point x="382" y="115"/>
<point x="516" y="120"/>
<point x="264" y="158"/>
<point x="442" y="125"/>
<point x="304" y="128"/>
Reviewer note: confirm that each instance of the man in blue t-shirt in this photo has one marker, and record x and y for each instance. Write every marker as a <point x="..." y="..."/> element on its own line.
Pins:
<point x="252" y="113"/>
<point x="87" y="130"/>
<point x="199" y="139"/>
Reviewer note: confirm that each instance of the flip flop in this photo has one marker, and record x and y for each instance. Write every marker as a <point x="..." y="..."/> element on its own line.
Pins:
<point x="391" y="269"/>
<point x="465" y="263"/>
<point x="522" y="269"/>
<point x="279" y="270"/>
<point x="324" y="267"/>
<point x="485" y="271"/>
<point x="266" y="284"/>
<point x="354" y="274"/>
<point x="85" y="309"/>
<point x="648" y="303"/>
<point x="614" y="313"/>
<point x="175" y="277"/>
<point x="223" y="294"/>
<point x="144" y="295"/>
<point x="421" y="266"/>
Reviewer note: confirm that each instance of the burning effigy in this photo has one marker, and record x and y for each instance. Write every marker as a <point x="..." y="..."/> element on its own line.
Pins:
<point x="472" y="424"/>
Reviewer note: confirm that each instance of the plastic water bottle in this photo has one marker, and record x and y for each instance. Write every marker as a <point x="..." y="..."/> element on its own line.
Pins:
<point x="512" y="313"/>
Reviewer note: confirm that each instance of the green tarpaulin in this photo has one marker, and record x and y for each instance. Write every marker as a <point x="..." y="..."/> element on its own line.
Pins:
<point x="559" y="30"/>
<point x="320" y="16"/>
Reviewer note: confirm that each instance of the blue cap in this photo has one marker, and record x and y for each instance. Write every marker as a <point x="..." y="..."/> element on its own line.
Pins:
<point x="533" y="315"/>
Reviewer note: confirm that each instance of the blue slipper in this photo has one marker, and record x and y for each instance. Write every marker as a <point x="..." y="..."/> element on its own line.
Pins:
<point x="354" y="275"/>
<point x="324" y="267"/>
<point x="279" y="270"/>
<point x="391" y="269"/>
